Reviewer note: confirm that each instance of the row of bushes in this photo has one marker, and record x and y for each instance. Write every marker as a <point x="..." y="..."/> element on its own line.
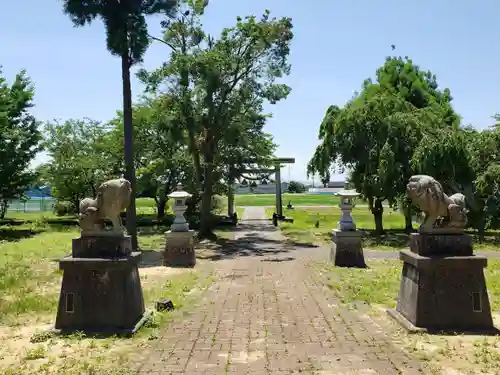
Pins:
<point x="65" y="208"/>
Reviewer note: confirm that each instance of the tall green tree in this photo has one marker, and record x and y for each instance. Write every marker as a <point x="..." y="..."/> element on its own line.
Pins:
<point x="235" y="72"/>
<point x="162" y="159"/>
<point x="376" y="134"/>
<point x="184" y="36"/>
<point x="466" y="160"/>
<point x="126" y="37"/>
<point x="228" y="81"/>
<point x="19" y="138"/>
<point x="79" y="159"/>
<point x="325" y="178"/>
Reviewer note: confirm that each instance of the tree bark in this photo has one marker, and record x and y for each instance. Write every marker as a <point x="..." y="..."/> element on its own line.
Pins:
<point x="205" y="230"/>
<point x="187" y="114"/>
<point x="160" y="207"/>
<point x="75" y="202"/>
<point x="378" y="212"/>
<point x="3" y="208"/>
<point x="128" y="148"/>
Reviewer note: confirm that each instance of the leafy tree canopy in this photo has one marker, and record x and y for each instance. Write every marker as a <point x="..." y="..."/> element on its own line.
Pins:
<point x="19" y="137"/>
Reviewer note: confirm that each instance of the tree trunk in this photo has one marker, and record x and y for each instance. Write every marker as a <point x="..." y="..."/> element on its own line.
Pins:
<point x="161" y="204"/>
<point x="230" y="200"/>
<point x="3" y="208"/>
<point x="378" y="212"/>
<point x="75" y="202"/>
<point x="187" y="113"/>
<point x="205" y="230"/>
<point x="128" y="148"/>
<point x="206" y="204"/>
<point x="408" y="219"/>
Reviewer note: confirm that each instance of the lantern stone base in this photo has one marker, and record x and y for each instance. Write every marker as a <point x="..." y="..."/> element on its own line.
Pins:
<point x="101" y="295"/>
<point x="179" y="249"/>
<point x="347" y="249"/>
<point x="442" y="292"/>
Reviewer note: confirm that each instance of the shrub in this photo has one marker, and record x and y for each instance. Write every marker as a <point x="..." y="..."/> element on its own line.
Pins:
<point x="217" y="203"/>
<point x="296" y="187"/>
<point x="63" y="208"/>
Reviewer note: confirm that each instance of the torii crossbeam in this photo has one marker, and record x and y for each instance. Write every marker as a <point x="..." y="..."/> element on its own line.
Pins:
<point x="277" y="172"/>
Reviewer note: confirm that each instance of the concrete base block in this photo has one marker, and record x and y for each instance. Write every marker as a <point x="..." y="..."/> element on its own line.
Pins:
<point x="179" y="249"/>
<point x="440" y="293"/>
<point x="100" y="295"/>
<point x="347" y="249"/>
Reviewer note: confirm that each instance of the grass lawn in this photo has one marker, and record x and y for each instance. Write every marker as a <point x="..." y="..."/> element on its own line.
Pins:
<point x="29" y="290"/>
<point x="240" y="211"/>
<point x="377" y="288"/>
<point x="296" y="199"/>
<point x="303" y="228"/>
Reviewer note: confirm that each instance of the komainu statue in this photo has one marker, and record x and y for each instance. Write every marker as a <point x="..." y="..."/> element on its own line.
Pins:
<point x="442" y="213"/>
<point x="113" y="197"/>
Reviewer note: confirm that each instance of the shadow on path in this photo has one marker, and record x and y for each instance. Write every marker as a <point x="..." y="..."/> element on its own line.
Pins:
<point x="252" y="237"/>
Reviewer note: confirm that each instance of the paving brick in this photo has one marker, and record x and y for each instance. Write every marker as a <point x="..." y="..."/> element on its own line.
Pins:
<point x="272" y="317"/>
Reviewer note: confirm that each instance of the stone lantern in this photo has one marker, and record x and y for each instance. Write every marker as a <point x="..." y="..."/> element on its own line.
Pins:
<point x="179" y="197"/>
<point x="179" y="240"/>
<point x="347" y="247"/>
<point x="346" y="205"/>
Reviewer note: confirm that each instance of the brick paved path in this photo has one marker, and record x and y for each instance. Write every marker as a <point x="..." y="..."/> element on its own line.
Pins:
<point x="267" y="314"/>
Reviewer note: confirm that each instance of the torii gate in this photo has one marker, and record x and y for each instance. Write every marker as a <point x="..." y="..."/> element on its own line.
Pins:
<point x="277" y="173"/>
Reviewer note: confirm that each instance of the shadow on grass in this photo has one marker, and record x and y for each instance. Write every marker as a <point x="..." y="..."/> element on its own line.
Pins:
<point x="278" y="260"/>
<point x="463" y="332"/>
<point x="10" y="234"/>
<point x="394" y="238"/>
<point x="398" y="239"/>
<point x="14" y="233"/>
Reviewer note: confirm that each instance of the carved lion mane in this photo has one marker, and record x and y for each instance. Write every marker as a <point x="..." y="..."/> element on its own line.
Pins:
<point x="427" y="193"/>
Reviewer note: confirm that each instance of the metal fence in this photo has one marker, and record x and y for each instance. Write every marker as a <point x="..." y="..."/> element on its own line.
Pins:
<point x="32" y="205"/>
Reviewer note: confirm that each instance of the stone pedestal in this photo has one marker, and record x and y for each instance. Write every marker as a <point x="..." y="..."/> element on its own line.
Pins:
<point x="102" y="245"/>
<point x="347" y="249"/>
<point x="101" y="294"/>
<point x="179" y="249"/>
<point x="457" y="244"/>
<point x="441" y="291"/>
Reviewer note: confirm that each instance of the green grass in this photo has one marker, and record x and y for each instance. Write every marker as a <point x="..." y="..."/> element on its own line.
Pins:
<point x="265" y="200"/>
<point x="296" y="199"/>
<point x="378" y="286"/>
<point x="240" y="211"/>
<point x="29" y="292"/>
<point x="29" y="278"/>
<point x="26" y="273"/>
<point x="303" y="228"/>
<point x="145" y="202"/>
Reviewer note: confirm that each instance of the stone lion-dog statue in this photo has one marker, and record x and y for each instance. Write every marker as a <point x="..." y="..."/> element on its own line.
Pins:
<point x="442" y="213"/>
<point x="113" y="197"/>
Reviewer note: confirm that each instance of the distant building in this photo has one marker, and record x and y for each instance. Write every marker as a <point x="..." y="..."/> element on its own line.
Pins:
<point x="269" y="188"/>
<point x="336" y="184"/>
<point x="333" y="187"/>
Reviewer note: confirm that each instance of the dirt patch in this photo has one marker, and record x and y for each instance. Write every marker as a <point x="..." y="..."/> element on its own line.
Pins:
<point x="443" y="354"/>
<point x="151" y="275"/>
<point x="29" y="346"/>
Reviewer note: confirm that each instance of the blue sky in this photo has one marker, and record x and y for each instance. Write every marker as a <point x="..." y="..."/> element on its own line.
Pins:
<point x="337" y="45"/>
